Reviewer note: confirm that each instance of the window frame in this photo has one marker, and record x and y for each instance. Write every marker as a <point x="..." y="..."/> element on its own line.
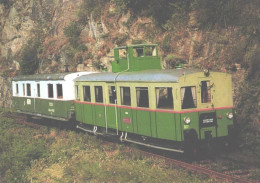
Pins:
<point x="84" y="93"/>
<point x="206" y="91"/>
<point x="140" y="95"/>
<point x="169" y="106"/>
<point x="50" y="91"/>
<point x="122" y="96"/>
<point x="59" y="91"/>
<point x="38" y="90"/>
<point x="28" y="90"/>
<point x="16" y="89"/>
<point x="77" y="95"/>
<point x="195" y="101"/>
<point x="23" y="89"/>
<point x="112" y="94"/>
<point x="97" y="95"/>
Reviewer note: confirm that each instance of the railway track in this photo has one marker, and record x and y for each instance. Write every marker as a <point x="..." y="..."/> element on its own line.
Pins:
<point x="199" y="169"/>
<point x="177" y="163"/>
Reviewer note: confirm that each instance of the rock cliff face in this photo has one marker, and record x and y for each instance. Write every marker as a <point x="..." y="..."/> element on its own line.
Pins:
<point x="46" y="20"/>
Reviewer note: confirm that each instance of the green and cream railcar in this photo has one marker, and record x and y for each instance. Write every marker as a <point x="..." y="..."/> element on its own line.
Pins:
<point x="157" y="108"/>
<point x="45" y="95"/>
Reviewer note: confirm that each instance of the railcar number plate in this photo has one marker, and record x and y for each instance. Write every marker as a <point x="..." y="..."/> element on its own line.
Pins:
<point x="208" y="119"/>
<point x="127" y="120"/>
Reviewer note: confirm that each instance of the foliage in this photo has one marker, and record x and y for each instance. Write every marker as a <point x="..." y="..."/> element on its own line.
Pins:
<point x="161" y="11"/>
<point x="91" y="8"/>
<point x="29" y="57"/>
<point x="18" y="148"/>
<point x="221" y="13"/>
<point x="248" y="106"/>
<point x="72" y="32"/>
<point x="166" y="44"/>
<point x="6" y="3"/>
<point x="171" y="61"/>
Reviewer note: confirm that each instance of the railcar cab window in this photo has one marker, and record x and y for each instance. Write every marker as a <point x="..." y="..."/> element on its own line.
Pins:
<point x="17" y="89"/>
<point x="188" y="97"/>
<point x="125" y="96"/>
<point x="150" y="51"/>
<point x="50" y="90"/>
<point x="86" y="93"/>
<point x="138" y="52"/>
<point x="99" y="94"/>
<point x="205" y="92"/>
<point x="112" y="94"/>
<point x="164" y="98"/>
<point x="23" y="89"/>
<point x="38" y="90"/>
<point x="28" y="89"/>
<point x="142" y="97"/>
<point x="122" y="53"/>
<point x="77" y="92"/>
<point x="59" y="91"/>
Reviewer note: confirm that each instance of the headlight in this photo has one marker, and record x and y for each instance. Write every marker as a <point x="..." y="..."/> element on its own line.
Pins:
<point x="229" y="115"/>
<point x="187" y="120"/>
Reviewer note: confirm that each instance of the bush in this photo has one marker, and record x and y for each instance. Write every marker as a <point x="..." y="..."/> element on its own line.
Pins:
<point x="29" y="58"/>
<point x="222" y="13"/>
<point x="18" y="148"/>
<point x="171" y="61"/>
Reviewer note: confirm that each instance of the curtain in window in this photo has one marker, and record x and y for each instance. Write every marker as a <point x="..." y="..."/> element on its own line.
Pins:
<point x="182" y="94"/>
<point x="157" y="92"/>
<point x="193" y="91"/>
<point x="138" y="91"/>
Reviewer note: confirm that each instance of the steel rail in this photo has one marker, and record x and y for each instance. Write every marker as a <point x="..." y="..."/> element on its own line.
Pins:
<point x="199" y="169"/>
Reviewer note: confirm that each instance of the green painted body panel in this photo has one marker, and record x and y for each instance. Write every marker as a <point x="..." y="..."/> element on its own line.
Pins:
<point x="165" y="125"/>
<point x="136" y="63"/>
<point x="88" y="114"/>
<point x="99" y="115"/>
<point x="143" y="119"/>
<point x="48" y="108"/>
<point x="111" y="117"/>
<point x="126" y="120"/>
<point x="224" y="122"/>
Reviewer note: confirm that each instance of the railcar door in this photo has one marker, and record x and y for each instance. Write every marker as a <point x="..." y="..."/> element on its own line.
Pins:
<point x="111" y="110"/>
<point x="165" y="118"/>
<point x="143" y="116"/>
<point x="99" y="107"/>
<point x="126" y="113"/>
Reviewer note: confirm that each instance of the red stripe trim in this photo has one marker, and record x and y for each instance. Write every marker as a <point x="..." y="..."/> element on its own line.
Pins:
<point x="52" y="99"/>
<point x="157" y="110"/>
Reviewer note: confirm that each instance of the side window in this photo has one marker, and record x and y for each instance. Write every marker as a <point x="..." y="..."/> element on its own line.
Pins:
<point x="38" y="90"/>
<point x="122" y="53"/>
<point x="138" y="52"/>
<point x="50" y="90"/>
<point x="188" y="97"/>
<point x="23" y="89"/>
<point x="28" y="89"/>
<point x="150" y="51"/>
<point x="164" y="98"/>
<point x="59" y="91"/>
<point x="77" y="92"/>
<point x="142" y="97"/>
<point x="17" y="89"/>
<point x="125" y="96"/>
<point x="112" y="94"/>
<point x="205" y="92"/>
<point x="99" y="94"/>
<point x="86" y="93"/>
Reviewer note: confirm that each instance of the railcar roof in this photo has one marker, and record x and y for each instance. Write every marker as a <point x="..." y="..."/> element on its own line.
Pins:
<point x="140" y="76"/>
<point x="135" y="45"/>
<point x="39" y="77"/>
